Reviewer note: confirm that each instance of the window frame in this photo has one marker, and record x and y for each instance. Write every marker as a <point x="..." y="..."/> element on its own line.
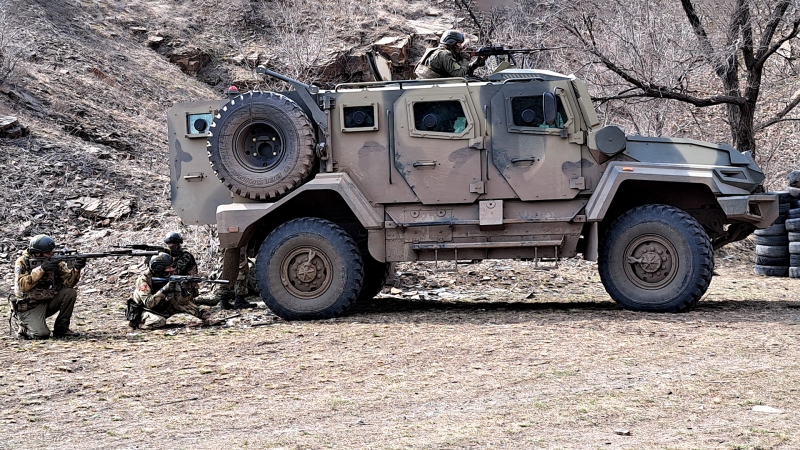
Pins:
<point x="345" y="129"/>
<point x="468" y="133"/>
<point x="560" y="97"/>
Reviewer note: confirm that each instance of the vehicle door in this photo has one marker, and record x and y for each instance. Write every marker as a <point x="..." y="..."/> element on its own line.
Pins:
<point x="540" y="160"/>
<point x="437" y="144"/>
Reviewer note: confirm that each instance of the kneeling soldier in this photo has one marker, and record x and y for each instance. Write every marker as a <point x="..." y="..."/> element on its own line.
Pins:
<point x="44" y="291"/>
<point x="162" y="300"/>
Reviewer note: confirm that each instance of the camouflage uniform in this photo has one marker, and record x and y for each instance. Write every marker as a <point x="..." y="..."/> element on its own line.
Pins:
<point x="160" y="305"/>
<point x="185" y="264"/>
<point x="244" y="285"/>
<point x="442" y="62"/>
<point x="41" y="294"/>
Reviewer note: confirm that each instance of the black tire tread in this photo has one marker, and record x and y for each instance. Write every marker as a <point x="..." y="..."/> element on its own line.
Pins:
<point x="352" y="254"/>
<point x="772" y="271"/>
<point x="699" y="241"/>
<point x="305" y="144"/>
<point x="773" y="251"/>
<point x="771" y="261"/>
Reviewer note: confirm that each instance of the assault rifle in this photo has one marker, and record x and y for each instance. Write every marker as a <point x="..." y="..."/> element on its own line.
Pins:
<point x="147" y="247"/>
<point x="187" y="279"/>
<point x="70" y="255"/>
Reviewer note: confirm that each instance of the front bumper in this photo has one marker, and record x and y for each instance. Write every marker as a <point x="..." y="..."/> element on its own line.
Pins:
<point x="759" y="209"/>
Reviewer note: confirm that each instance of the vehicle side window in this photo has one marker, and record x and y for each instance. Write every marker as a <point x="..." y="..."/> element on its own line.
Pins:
<point x="359" y="117"/>
<point x="529" y="112"/>
<point x="441" y="116"/>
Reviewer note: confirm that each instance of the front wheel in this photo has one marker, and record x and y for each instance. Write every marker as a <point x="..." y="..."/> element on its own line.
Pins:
<point x="309" y="268"/>
<point x="656" y="258"/>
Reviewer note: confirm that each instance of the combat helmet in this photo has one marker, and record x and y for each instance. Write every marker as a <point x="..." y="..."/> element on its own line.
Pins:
<point x="159" y="263"/>
<point x="451" y="37"/>
<point x="173" y="238"/>
<point x="41" y="243"/>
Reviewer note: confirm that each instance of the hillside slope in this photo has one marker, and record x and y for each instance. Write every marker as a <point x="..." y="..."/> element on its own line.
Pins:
<point x="92" y="86"/>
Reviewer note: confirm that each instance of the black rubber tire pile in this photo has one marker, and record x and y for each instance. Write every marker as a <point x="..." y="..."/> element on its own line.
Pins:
<point x="778" y="247"/>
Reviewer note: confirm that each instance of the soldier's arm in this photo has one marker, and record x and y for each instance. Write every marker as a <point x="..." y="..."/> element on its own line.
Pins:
<point x="25" y="280"/>
<point x="453" y="67"/>
<point x="143" y="294"/>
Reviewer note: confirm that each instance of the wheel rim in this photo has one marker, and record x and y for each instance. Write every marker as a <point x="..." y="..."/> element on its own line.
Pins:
<point x="259" y="146"/>
<point x="306" y="272"/>
<point x="651" y="262"/>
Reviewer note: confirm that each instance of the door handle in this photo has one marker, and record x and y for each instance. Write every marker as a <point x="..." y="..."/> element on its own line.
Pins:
<point x="194" y="176"/>
<point x="425" y="164"/>
<point x="529" y="159"/>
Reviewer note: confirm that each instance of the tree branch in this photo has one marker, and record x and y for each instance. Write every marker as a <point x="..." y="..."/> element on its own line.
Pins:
<point x="648" y="89"/>
<point x="780" y="116"/>
<point x="777" y="44"/>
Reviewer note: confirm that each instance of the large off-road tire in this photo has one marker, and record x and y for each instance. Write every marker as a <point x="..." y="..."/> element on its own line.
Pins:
<point x="656" y="258"/>
<point x="776" y="229"/>
<point x="261" y="145"/>
<point x="309" y="268"/>
<point x="375" y="275"/>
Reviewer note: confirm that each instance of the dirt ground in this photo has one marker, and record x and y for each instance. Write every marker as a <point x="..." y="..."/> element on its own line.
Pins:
<point x="499" y="355"/>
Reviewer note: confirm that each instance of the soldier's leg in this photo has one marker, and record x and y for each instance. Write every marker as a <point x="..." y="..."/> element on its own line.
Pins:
<point x="63" y="304"/>
<point x="186" y="305"/>
<point x="151" y="321"/>
<point x="31" y="324"/>
<point x="240" y="288"/>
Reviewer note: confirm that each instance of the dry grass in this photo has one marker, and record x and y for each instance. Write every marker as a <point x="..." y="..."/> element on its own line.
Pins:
<point x="564" y="370"/>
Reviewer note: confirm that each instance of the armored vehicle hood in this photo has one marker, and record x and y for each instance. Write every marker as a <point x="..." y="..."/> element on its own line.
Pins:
<point x="737" y="168"/>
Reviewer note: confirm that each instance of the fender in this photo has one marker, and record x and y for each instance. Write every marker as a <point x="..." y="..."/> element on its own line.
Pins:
<point x="235" y="220"/>
<point x="718" y="179"/>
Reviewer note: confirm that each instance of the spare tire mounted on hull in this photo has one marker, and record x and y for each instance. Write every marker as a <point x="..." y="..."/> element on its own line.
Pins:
<point x="261" y="145"/>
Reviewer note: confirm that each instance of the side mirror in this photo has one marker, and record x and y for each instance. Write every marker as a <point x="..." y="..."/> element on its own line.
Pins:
<point x="549" y="104"/>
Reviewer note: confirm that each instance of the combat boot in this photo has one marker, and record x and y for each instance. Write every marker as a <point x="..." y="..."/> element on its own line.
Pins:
<point x="224" y="304"/>
<point x="241" y="303"/>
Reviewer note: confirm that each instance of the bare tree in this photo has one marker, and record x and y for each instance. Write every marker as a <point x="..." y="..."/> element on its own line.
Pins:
<point x="653" y="54"/>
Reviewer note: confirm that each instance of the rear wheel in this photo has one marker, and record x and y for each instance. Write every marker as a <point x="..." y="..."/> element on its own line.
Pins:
<point x="656" y="258"/>
<point x="309" y="268"/>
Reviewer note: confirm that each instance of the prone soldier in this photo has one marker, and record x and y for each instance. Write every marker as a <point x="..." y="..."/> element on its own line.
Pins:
<point x="161" y="300"/>
<point x="44" y="290"/>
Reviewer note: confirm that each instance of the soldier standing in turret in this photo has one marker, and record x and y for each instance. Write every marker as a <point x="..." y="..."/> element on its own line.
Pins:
<point x="44" y="291"/>
<point x="447" y="60"/>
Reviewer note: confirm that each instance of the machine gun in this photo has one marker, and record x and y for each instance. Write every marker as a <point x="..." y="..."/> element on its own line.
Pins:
<point x="509" y="52"/>
<point x="70" y="255"/>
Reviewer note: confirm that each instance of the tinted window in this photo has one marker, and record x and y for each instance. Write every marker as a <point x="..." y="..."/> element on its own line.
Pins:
<point x="529" y="112"/>
<point x="444" y="117"/>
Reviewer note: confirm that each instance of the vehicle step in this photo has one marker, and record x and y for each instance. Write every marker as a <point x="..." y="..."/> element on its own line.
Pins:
<point x="483" y="245"/>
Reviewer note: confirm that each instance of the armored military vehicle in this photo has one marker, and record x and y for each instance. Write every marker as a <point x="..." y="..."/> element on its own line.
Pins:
<point x="329" y="187"/>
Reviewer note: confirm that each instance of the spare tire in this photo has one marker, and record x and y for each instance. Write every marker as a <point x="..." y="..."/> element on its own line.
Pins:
<point x="261" y="145"/>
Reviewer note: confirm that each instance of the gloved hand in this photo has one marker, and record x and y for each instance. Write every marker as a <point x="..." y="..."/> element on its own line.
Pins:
<point x="79" y="263"/>
<point x="50" y="265"/>
<point x="480" y="62"/>
<point x="169" y="288"/>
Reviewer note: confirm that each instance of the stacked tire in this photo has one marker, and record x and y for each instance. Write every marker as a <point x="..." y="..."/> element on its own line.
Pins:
<point x="772" y="244"/>
<point x="793" y="232"/>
